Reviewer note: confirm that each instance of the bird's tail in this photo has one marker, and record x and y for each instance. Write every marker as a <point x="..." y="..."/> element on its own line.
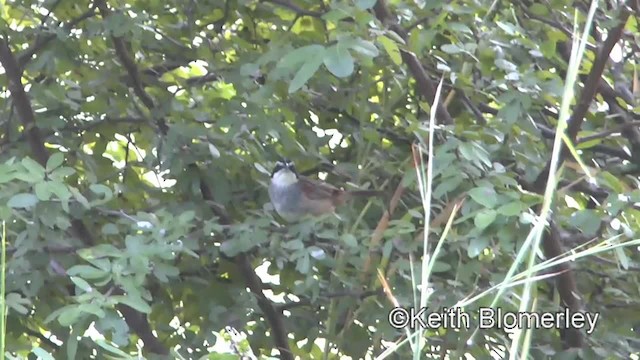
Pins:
<point x="365" y="193"/>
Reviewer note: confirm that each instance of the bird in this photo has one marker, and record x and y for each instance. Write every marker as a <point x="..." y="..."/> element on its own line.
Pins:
<point x="294" y="196"/>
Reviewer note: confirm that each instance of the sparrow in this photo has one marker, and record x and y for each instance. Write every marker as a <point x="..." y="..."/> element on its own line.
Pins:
<point x="294" y="196"/>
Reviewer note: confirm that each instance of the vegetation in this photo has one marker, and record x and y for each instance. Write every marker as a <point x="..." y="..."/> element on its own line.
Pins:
<point x="138" y="138"/>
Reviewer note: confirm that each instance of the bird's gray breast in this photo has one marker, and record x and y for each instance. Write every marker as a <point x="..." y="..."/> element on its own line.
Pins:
<point x="286" y="200"/>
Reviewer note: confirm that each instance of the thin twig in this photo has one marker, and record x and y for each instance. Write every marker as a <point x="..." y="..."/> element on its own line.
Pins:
<point x="608" y="132"/>
<point x="25" y="56"/>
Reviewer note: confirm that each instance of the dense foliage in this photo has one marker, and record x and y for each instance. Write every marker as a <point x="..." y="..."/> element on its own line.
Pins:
<point x="137" y="138"/>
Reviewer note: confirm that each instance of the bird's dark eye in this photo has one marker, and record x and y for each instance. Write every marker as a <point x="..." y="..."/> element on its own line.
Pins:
<point x="279" y="166"/>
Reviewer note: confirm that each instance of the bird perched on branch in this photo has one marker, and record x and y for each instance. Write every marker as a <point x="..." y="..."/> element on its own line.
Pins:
<point x="294" y="195"/>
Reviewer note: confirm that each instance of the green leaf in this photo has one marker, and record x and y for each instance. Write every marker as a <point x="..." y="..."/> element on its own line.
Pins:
<point x="79" y="197"/>
<point x="54" y="161"/>
<point x="186" y="217"/>
<point x="338" y="12"/>
<point x="613" y="182"/>
<point x="440" y="267"/>
<point x="34" y="168"/>
<point x="86" y="272"/>
<point x="539" y="9"/>
<point x="249" y="69"/>
<point x="110" y="229"/>
<point x="100" y="251"/>
<point x="473" y="151"/>
<point x="338" y="61"/>
<point x="365" y="4"/>
<point x="350" y="240"/>
<point x="73" y="340"/>
<point x="477" y="245"/>
<point x="6" y="173"/>
<point x="61" y="172"/>
<point x="449" y="184"/>
<point x="134" y="302"/>
<point x="164" y="271"/>
<point x="386" y="249"/>
<point x="18" y="303"/>
<point x="300" y="55"/>
<point x="304" y="263"/>
<point x="92" y="308"/>
<point x="81" y="283"/>
<point x="484" y="218"/>
<point x="70" y="315"/>
<point x="364" y="47"/>
<point x="60" y="190"/>
<point x="452" y="49"/>
<point x="100" y="189"/>
<point x="485" y="196"/>
<point x="391" y="48"/>
<point x="306" y="72"/>
<point x="586" y="220"/>
<point x="112" y="349"/>
<point x="42" y="191"/>
<point x="295" y="244"/>
<point x="512" y="209"/>
<point x="135" y="245"/>
<point x="358" y="342"/>
<point x="22" y="201"/>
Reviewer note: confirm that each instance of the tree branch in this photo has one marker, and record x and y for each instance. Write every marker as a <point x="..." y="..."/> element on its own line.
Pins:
<point x="22" y="103"/>
<point x="588" y="92"/>
<point x="608" y="132"/>
<point x="565" y="281"/>
<point x="131" y="68"/>
<point x="139" y="323"/>
<point x="41" y="42"/>
<point x="253" y="282"/>
<point x="425" y="86"/>
<point x="34" y="137"/>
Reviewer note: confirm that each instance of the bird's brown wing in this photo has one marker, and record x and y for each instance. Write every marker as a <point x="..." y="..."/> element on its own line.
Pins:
<point x="317" y="190"/>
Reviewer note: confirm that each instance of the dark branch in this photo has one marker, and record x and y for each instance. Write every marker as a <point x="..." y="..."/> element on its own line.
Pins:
<point x="565" y="281"/>
<point x="253" y="282"/>
<point x="22" y="103"/>
<point x="139" y="323"/>
<point x="608" y="132"/>
<point x="588" y="92"/>
<point x="274" y="317"/>
<point x="130" y="66"/>
<point x="41" y="42"/>
<point x="426" y="88"/>
<point x="13" y="72"/>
